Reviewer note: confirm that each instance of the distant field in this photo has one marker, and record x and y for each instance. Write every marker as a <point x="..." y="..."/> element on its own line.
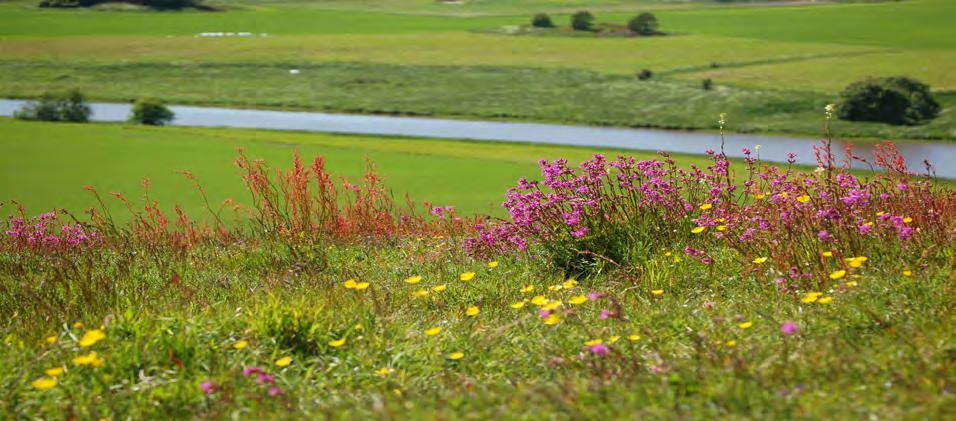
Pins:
<point x="46" y="165"/>
<point x="774" y="66"/>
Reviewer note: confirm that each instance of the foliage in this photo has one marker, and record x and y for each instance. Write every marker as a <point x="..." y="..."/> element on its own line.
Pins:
<point x="645" y="74"/>
<point x="893" y="100"/>
<point x="643" y="24"/>
<point x="70" y="106"/>
<point x="154" y="4"/>
<point x="542" y="20"/>
<point x="151" y="112"/>
<point x="707" y="84"/>
<point x="582" y="21"/>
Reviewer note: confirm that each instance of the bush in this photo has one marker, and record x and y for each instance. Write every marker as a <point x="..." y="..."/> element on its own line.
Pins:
<point x="155" y="4"/>
<point x="151" y="112"/>
<point x="582" y="21"/>
<point x="645" y="74"/>
<point x="66" y="107"/>
<point x="542" y="20"/>
<point x="707" y="84"/>
<point x="643" y="24"/>
<point x="892" y="100"/>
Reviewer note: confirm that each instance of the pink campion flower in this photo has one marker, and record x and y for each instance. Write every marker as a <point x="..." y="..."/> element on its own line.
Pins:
<point x="265" y="378"/>
<point x="248" y="371"/>
<point x="599" y="349"/>
<point x="605" y="314"/>
<point x="275" y="391"/>
<point x="208" y="387"/>
<point x="545" y="313"/>
<point x="788" y="328"/>
<point x="594" y="295"/>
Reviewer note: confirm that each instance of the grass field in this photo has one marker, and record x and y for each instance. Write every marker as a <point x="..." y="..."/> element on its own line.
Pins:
<point x="45" y="166"/>
<point x="805" y="53"/>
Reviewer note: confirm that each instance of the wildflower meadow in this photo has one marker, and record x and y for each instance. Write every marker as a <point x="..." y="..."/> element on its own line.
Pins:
<point x="615" y="288"/>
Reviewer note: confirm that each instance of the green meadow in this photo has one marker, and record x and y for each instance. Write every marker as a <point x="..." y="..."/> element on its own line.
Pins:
<point x="782" y="62"/>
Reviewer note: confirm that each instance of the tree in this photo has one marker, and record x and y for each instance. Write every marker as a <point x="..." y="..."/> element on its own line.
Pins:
<point x="64" y="107"/>
<point x="892" y="100"/>
<point x="643" y="24"/>
<point x="645" y="74"/>
<point x="542" y="20"/>
<point x="72" y="107"/>
<point x="582" y="21"/>
<point x="151" y="111"/>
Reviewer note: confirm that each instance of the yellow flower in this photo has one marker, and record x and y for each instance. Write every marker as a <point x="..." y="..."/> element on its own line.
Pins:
<point x="593" y="342"/>
<point x="439" y="288"/>
<point x="851" y="284"/>
<point x="838" y="274"/>
<point x="53" y="372"/>
<point x="473" y="311"/>
<point x="657" y="291"/>
<point x="539" y="300"/>
<point x="91" y="337"/>
<point x="745" y="325"/>
<point x="528" y="288"/>
<point x="676" y="259"/>
<point x="856" y="262"/>
<point x="698" y="230"/>
<point x="552" y="319"/>
<point x="760" y="260"/>
<point x="553" y="288"/>
<point x="413" y="280"/>
<point x="361" y="285"/>
<point x="880" y="213"/>
<point x="455" y="356"/>
<point x="519" y="304"/>
<point x="759" y="196"/>
<point x="337" y="343"/>
<point x="667" y="254"/>
<point x="705" y="206"/>
<point x="907" y="219"/>
<point x="467" y="276"/>
<point x="52" y="340"/>
<point x="731" y="343"/>
<point x="570" y="283"/>
<point x="350" y="284"/>
<point x="810" y="297"/>
<point x="721" y="228"/>
<point x="782" y="195"/>
<point x="551" y="305"/>
<point x="803" y="198"/>
<point x="284" y="361"/>
<point x="384" y="371"/>
<point x="907" y="273"/>
<point x="827" y="254"/>
<point x="493" y="264"/>
<point x="634" y="338"/>
<point x="240" y="344"/>
<point x="421" y="293"/>
<point x="825" y="300"/>
<point x="90" y="359"/>
<point x="578" y="299"/>
<point x="433" y="331"/>
<point x="613" y="339"/>
<point x="78" y="325"/>
<point x="44" y="383"/>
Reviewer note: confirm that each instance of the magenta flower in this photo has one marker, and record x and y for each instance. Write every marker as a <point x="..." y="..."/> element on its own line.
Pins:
<point x="594" y="295"/>
<point x="274" y="391"/>
<point x="605" y="313"/>
<point x="248" y="371"/>
<point x="599" y="349"/>
<point x="788" y="328"/>
<point x="208" y="387"/>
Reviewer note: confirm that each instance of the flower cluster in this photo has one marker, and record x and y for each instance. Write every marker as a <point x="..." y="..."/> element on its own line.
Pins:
<point x="47" y="232"/>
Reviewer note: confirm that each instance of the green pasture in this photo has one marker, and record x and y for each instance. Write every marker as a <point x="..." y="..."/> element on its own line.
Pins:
<point x="45" y="165"/>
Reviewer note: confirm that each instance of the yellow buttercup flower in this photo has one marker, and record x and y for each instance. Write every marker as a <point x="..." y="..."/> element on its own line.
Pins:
<point x="90" y="359"/>
<point x="803" y="198"/>
<point x="455" y="356"/>
<point x="907" y="219"/>
<point x="439" y="288"/>
<point x="44" y="383"/>
<point x="810" y="297"/>
<point x="53" y="372"/>
<point x="613" y="339"/>
<point x="721" y="228"/>
<point x="760" y="260"/>
<point x="384" y="371"/>
<point x="284" y="361"/>
<point x="731" y="343"/>
<point x="759" y="196"/>
<point x="593" y="342"/>
<point x="91" y="337"/>
<point x="350" y="284"/>
<point x="552" y="319"/>
<point x="552" y="305"/>
<point x="493" y="264"/>
<point x="240" y="344"/>
<point x="698" y="230"/>
<point x="825" y="300"/>
<point x="528" y="288"/>
<point x="413" y="280"/>
<point x="433" y="331"/>
<point x="539" y="300"/>
<point x="634" y="338"/>
<point x="838" y="274"/>
<point x="851" y="284"/>
<point x="337" y="343"/>
<point x="52" y="340"/>
<point x="570" y="283"/>
<point x="467" y="276"/>
<point x="519" y="304"/>
<point x="578" y="299"/>
<point x="782" y="195"/>
<point x="745" y="325"/>
<point x="361" y="286"/>
<point x="472" y="311"/>
<point x="554" y="288"/>
<point x="827" y="254"/>
<point x="907" y="273"/>
<point x="856" y="262"/>
<point x="657" y="291"/>
<point x="705" y="206"/>
<point x="421" y="293"/>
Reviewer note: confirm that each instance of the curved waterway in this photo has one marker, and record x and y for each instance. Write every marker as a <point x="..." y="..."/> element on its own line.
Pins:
<point x="772" y="148"/>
